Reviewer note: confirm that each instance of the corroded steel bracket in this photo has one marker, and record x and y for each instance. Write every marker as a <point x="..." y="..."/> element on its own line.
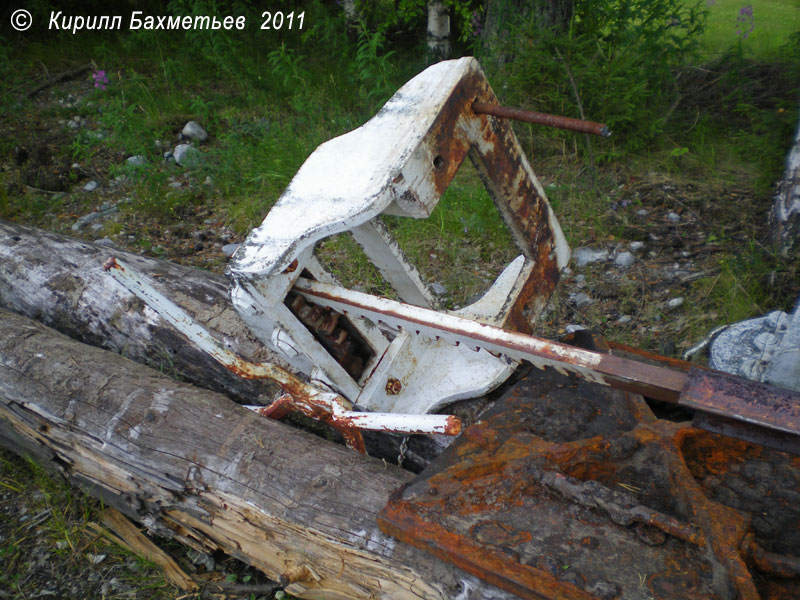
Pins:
<point x="399" y="163"/>
<point x="569" y="490"/>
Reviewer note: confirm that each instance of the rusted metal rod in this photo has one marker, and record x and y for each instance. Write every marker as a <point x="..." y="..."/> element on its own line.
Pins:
<point x="724" y="403"/>
<point x="531" y="116"/>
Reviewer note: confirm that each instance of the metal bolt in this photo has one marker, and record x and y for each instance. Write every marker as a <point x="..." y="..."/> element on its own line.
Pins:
<point x="393" y="386"/>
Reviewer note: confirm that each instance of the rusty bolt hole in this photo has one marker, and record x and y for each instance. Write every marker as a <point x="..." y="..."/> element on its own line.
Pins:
<point x="438" y="162"/>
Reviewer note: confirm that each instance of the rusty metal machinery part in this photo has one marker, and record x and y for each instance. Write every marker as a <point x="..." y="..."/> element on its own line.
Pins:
<point x="539" y="118"/>
<point x="566" y="489"/>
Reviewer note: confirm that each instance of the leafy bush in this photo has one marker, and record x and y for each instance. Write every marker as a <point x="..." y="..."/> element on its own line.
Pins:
<point x="615" y="60"/>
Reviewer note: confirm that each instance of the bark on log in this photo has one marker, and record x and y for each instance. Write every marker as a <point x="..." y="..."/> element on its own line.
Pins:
<point x="60" y="281"/>
<point x="191" y="464"/>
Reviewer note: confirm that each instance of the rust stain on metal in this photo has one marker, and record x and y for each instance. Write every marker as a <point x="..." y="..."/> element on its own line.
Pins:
<point x="393" y="386"/>
<point x="292" y="267"/>
<point x="566" y="489"/>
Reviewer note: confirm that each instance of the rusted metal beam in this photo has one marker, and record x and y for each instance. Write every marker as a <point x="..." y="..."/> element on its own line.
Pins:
<point x="772" y="414"/>
<point x="540" y="118"/>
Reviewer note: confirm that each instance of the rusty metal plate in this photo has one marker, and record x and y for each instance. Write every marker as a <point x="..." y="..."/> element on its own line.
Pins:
<point x="566" y="489"/>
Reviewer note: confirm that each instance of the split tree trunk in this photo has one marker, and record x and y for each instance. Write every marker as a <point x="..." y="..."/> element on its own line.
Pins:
<point x="60" y="281"/>
<point x="785" y="215"/>
<point x="190" y="464"/>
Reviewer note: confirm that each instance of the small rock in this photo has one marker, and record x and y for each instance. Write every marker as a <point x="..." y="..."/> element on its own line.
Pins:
<point x="137" y="161"/>
<point x="201" y="559"/>
<point x="187" y="156"/>
<point x="96" y="226"/>
<point x="85" y="220"/>
<point x="104" y="242"/>
<point x="580" y="280"/>
<point x="106" y="206"/>
<point x="624" y="319"/>
<point x="580" y="299"/>
<point x="91" y="186"/>
<point x="229" y="249"/>
<point x="193" y="131"/>
<point x="675" y="302"/>
<point x="208" y="181"/>
<point x="624" y="260"/>
<point x="674" y="217"/>
<point x="168" y="155"/>
<point x="208" y="221"/>
<point x="573" y="328"/>
<point x="584" y="256"/>
<point x="438" y="289"/>
<point x="96" y="558"/>
<point x="176" y="185"/>
<point x="635" y="246"/>
<point x="642" y="212"/>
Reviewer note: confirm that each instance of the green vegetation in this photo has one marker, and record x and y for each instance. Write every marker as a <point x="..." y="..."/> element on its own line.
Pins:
<point x="702" y="117"/>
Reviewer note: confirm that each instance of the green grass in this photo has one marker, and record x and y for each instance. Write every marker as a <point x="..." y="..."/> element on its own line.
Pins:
<point x="773" y="22"/>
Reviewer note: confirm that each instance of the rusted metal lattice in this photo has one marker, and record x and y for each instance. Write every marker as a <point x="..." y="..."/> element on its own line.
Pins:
<point x="566" y="489"/>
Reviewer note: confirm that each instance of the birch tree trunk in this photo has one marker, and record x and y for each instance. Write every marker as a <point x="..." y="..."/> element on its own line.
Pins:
<point x="439" y="44"/>
<point x="785" y="214"/>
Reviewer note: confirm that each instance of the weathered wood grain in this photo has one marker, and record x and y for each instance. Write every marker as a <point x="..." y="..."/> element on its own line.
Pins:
<point x="60" y="281"/>
<point x="191" y="464"/>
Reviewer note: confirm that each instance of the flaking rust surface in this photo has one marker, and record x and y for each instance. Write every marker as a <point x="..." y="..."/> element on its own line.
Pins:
<point x="566" y="489"/>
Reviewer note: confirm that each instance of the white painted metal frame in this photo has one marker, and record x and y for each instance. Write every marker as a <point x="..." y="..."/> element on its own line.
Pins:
<point x="397" y="163"/>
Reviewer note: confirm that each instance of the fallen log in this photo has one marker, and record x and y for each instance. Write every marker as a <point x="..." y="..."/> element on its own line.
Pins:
<point x="60" y="281"/>
<point x="190" y="464"/>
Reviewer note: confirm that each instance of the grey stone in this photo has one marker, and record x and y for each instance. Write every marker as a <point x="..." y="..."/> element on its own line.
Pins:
<point x="201" y="559"/>
<point x="176" y="185"/>
<point x="674" y="217"/>
<point x="168" y="155"/>
<point x="624" y="259"/>
<point x="137" y="161"/>
<point x="784" y="366"/>
<point x="229" y="249"/>
<point x="194" y="131"/>
<point x="580" y="280"/>
<point x="584" y="256"/>
<point x="104" y="242"/>
<point x="91" y="186"/>
<point x="187" y="156"/>
<point x="624" y="319"/>
<point x="106" y="206"/>
<point x="85" y="220"/>
<point x="96" y="226"/>
<point x="642" y="212"/>
<point x="675" y="302"/>
<point x="573" y="328"/>
<point x="438" y="289"/>
<point x="580" y="299"/>
<point x="635" y="246"/>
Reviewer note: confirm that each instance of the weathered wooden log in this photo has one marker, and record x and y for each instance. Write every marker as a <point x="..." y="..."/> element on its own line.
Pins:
<point x="191" y="464"/>
<point x="60" y="281"/>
